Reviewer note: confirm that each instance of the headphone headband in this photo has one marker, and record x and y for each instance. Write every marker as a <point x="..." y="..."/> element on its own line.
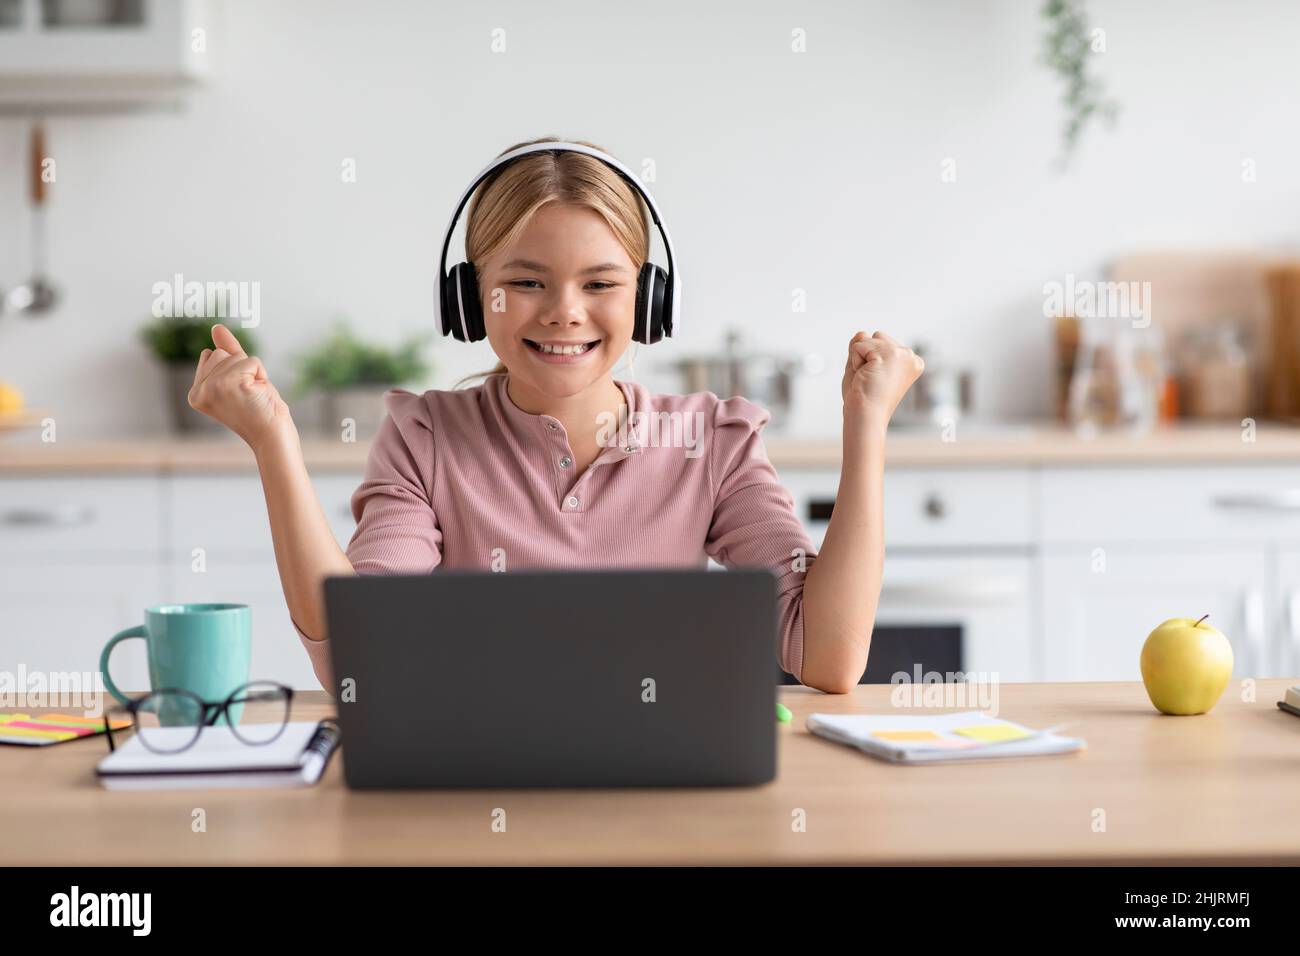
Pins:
<point x="507" y="158"/>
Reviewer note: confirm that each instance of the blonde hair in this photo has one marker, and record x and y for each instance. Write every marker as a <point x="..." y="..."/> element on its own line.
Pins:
<point x="505" y="202"/>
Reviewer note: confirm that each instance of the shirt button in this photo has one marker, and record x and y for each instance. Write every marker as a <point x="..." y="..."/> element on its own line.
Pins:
<point x="552" y="426"/>
<point x="628" y="448"/>
<point x="571" y="501"/>
<point x="565" y="462"/>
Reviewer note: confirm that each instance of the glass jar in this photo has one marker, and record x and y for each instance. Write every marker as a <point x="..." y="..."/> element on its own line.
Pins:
<point x="1116" y="384"/>
<point x="1218" y="380"/>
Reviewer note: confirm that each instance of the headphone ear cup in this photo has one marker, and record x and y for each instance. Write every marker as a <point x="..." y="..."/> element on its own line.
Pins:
<point x="472" y="304"/>
<point x="450" y="322"/>
<point x="462" y="304"/>
<point x="666" y="313"/>
<point x="651" y="298"/>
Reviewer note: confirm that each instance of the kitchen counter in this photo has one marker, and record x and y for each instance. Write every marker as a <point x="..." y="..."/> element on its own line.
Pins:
<point x="994" y="445"/>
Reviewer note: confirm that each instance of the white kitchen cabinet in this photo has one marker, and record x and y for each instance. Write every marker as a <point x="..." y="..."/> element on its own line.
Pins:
<point x="1173" y="503"/>
<point x="80" y="517"/>
<point x="82" y="555"/>
<point x="1100" y="602"/>
<point x="959" y="507"/>
<point x="84" y="54"/>
<point x="56" y="616"/>
<point x="228" y="513"/>
<point x="934" y="507"/>
<point x="219" y="524"/>
<point x="1010" y="555"/>
<point x="79" y="561"/>
<point x="1286" y="621"/>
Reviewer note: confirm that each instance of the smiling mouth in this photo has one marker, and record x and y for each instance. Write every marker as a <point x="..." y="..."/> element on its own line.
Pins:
<point x="562" y="349"/>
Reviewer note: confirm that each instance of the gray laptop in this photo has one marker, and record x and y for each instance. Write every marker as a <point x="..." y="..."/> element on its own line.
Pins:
<point x="556" y="678"/>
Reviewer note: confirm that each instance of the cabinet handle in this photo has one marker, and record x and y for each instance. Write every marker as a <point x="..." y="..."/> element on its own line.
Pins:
<point x="1260" y="501"/>
<point x="934" y="507"/>
<point x="1252" y="614"/>
<point x="979" y="591"/>
<point x="68" y="516"/>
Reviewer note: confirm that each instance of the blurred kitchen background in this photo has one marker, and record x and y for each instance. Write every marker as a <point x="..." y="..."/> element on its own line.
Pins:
<point x="1084" y="213"/>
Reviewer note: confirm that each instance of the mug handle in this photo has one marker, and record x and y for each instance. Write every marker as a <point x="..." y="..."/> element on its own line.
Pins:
<point x="137" y="631"/>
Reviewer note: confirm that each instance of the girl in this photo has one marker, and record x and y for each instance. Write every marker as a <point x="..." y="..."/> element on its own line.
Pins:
<point x="519" y="472"/>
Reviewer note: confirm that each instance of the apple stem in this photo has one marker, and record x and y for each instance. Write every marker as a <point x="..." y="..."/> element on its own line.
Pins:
<point x="1202" y="619"/>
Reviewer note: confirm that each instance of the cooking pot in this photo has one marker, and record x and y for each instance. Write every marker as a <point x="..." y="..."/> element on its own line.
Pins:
<point x="764" y="378"/>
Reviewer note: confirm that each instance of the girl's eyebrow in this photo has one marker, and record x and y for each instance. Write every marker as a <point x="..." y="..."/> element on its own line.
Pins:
<point x="538" y="267"/>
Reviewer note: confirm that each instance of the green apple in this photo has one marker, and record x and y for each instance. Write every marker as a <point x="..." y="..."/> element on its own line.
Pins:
<point x="1186" y="665"/>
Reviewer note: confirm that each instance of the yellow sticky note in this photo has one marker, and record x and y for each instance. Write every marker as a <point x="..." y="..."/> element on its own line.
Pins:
<point x="992" y="733"/>
<point x="906" y="736"/>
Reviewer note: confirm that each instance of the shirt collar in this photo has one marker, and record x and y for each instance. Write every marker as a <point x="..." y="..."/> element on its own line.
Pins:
<point x="628" y="437"/>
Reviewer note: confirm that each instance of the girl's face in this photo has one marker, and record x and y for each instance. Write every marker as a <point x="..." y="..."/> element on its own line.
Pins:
<point x="559" y="304"/>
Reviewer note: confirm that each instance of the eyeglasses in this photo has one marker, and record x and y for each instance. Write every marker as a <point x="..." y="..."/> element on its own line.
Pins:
<point x="170" y="720"/>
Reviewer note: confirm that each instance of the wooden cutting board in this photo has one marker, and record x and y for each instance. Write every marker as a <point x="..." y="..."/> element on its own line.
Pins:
<point x="1199" y="289"/>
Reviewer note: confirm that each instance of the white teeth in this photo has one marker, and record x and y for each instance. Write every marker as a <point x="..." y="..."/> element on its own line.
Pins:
<point x="562" y="349"/>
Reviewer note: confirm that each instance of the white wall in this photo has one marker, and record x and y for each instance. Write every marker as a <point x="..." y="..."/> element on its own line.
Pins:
<point x="775" y="171"/>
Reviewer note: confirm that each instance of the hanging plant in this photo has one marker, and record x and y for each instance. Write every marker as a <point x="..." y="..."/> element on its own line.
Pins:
<point x="1068" y="46"/>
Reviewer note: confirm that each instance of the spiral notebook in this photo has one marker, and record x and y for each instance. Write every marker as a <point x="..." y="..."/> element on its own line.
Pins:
<point x="931" y="738"/>
<point x="296" y="758"/>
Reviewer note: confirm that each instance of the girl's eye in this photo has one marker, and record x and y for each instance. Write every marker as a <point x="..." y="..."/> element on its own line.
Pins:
<point x="523" y="284"/>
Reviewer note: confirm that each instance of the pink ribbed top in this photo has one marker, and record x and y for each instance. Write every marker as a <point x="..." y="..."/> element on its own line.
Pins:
<point x="465" y="479"/>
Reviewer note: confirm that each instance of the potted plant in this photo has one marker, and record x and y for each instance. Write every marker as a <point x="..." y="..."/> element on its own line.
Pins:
<point x="352" y="377"/>
<point x="177" y="342"/>
<point x="1068" y="45"/>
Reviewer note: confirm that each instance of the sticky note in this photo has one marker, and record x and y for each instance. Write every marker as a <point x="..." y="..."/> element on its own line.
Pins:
<point x="993" y="733"/>
<point x="9" y="730"/>
<point x="52" y="728"/>
<point x="72" y="719"/>
<point x="47" y="725"/>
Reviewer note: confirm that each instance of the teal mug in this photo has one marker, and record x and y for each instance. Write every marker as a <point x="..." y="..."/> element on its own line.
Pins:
<point x="205" y="649"/>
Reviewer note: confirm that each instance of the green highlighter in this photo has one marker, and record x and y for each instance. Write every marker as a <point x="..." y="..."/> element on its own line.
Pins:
<point x="783" y="713"/>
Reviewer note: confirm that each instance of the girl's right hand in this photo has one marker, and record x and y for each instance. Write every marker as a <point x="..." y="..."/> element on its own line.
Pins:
<point x="233" y="388"/>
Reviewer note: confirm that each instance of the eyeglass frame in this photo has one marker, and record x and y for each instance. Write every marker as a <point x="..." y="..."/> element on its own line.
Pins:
<point x="217" y="708"/>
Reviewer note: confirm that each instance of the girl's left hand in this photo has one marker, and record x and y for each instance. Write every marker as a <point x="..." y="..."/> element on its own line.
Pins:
<point x="878" y="374"/>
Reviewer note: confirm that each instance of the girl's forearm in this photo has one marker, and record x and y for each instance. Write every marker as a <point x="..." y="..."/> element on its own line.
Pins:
<point x="306" y="551"/>
<point x="842" y="588"/>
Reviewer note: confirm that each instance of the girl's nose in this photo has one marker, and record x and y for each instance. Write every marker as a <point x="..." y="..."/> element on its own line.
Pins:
<point x="566" y="309"/>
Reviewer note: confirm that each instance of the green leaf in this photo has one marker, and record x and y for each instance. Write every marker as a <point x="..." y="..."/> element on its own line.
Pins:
<point x="342" y="361"/>
<point x="182" y="339"/>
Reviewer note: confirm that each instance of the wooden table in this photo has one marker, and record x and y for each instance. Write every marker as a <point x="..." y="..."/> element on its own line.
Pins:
<point x="1218" y="788"/>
